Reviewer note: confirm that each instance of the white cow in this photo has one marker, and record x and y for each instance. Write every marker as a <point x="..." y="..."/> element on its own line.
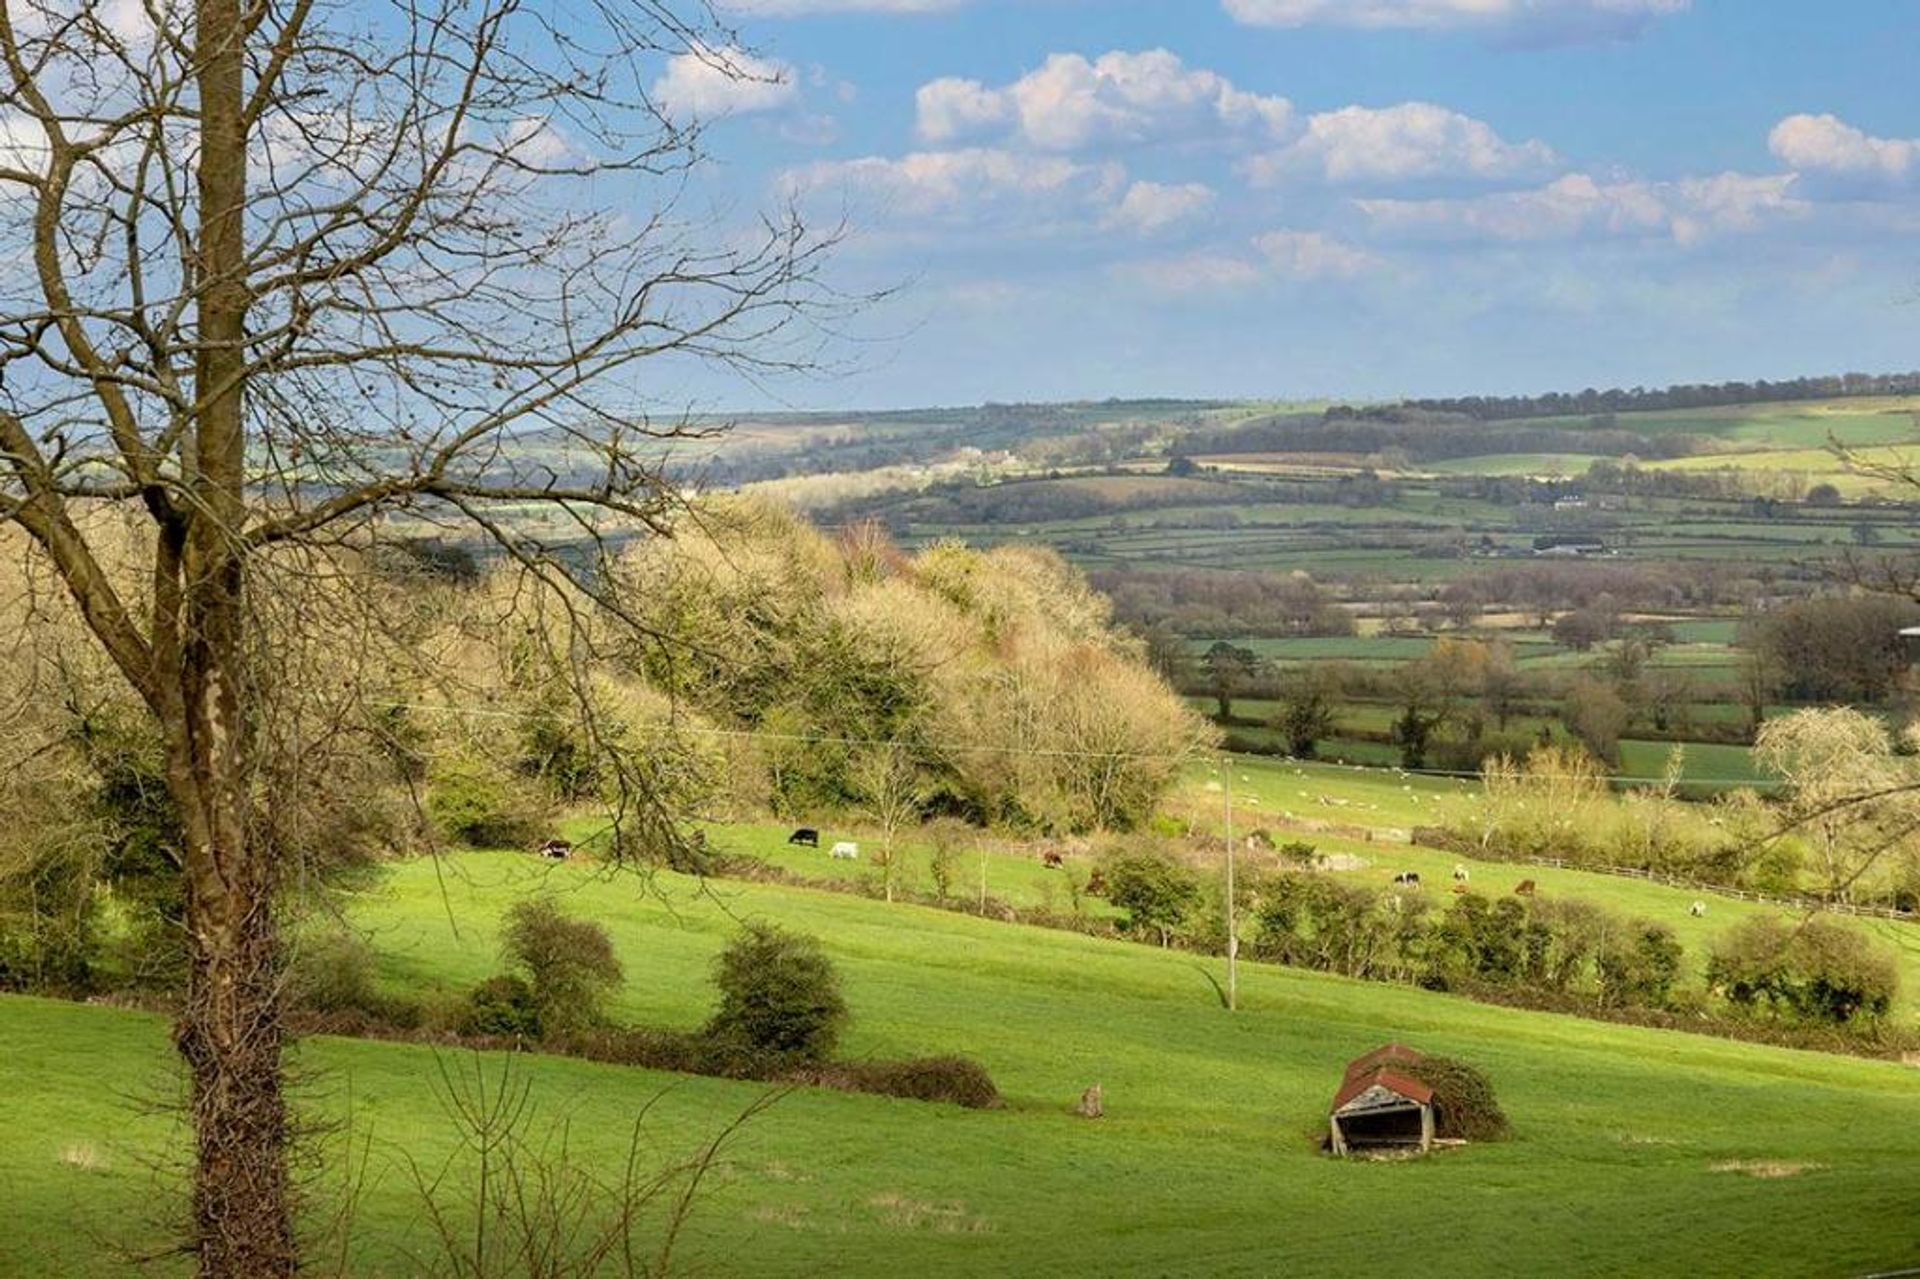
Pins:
<point x="845" y="850"/>
<point x="1697" y="910"/>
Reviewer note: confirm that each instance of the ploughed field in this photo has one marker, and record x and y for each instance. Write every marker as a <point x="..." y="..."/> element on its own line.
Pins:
<point x="1636" y="1151"/>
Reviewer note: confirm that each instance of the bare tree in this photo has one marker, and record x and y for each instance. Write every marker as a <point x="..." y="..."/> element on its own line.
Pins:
<point x="893" y="794"/>
<point x="279" y="269"/>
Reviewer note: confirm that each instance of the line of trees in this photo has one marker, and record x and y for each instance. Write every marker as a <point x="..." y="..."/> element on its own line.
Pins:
<point x="1680" y="396"/>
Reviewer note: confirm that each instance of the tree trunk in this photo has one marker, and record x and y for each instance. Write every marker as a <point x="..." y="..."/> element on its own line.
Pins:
<point x="229" y="1032"/>
<point x="230" y="1035"/>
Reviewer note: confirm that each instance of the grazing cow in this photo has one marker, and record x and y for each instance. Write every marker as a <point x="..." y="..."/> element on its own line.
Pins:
<point x="1052" y="860"/>
<point x="556" y="849"/>
<point x="1698" y="910"/>
<point x="845" y="851"/>
<point x="806" y="836"/>
<point x="1096" y="884"/>
<point x="1409" y="877"/>
<point x="1524" y="888"/>
<point x="1459" y="874"/>
<point x="1460" y="888"/>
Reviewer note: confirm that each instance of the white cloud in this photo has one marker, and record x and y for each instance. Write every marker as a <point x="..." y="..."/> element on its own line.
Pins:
<point x="1578" y="206"/>
<point x="1282" y="255"/>
<point x="1313" y="255"/>
<point x="1119" y="98"/>
<point x="951" y="108"/>
<point x="1151" y="207"/>
<point x="967" y="185"/>
<point x="1828" y="145"/>
<point x="1192" y="273"/>
<point x="709" y="83"/>
<point x="1536" y="21"/>
<point x="1415" y="140"/>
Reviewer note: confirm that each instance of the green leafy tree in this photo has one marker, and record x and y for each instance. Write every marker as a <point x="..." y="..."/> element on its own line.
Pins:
<point x="1229" y="668"/>
<point x="1156" y="892"/>
<point x="1307" y="711"/>
<point x="780" y="997"/>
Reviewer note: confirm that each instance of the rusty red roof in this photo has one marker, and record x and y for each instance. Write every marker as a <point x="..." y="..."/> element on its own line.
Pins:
<point x="1378" y="1067"/>
<point x="1385" y="1054"/>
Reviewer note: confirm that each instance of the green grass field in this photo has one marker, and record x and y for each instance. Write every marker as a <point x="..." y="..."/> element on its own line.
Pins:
<point x="1636" y="1152"/>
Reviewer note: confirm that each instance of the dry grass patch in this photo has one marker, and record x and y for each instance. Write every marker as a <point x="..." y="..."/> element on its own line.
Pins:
<point x="83" y="1155"/>
<point x="1767" y="1169"/>
<point x="949" y="1218"/>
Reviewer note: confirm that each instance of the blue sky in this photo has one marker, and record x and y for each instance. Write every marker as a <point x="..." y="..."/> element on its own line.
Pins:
<point x="1294" y="198"/>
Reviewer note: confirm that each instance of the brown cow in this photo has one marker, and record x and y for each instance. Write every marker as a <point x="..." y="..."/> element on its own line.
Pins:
<point x="1052" y="860"/>
<point x="1524" y="888"/>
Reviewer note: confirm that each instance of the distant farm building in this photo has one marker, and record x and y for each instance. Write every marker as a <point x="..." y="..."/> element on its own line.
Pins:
<point x="1381" y="1106"/>
<point x="1568" y="546"/>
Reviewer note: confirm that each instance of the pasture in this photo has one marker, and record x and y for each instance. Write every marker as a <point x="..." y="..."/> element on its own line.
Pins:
<point x="1627" y="1140"/>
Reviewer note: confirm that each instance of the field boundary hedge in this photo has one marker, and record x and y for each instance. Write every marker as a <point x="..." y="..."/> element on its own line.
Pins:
<point x="1445" y="841"/>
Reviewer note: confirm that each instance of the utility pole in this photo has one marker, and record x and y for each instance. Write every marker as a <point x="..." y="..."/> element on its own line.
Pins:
<point x="1233" y="931"/>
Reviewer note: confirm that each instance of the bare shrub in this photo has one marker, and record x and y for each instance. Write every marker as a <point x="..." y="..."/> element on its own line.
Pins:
<point x="514" y="1199"/>
<point x="337" y="973"/>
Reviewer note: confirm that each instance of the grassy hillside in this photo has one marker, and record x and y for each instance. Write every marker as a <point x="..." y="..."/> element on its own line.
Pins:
<point x="1629" y="1141"/>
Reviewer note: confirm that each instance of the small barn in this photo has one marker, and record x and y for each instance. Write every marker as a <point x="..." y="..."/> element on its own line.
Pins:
<point x="1381" y="1106"/>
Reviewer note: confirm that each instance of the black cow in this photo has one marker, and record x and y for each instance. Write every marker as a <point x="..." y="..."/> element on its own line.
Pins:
<point x="806" y="836"/>
<point x="1407" y="877"/>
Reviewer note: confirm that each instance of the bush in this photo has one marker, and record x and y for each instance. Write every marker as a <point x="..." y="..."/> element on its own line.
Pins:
<point x="943" y="856"/>
<point x="1317" y="921"/>
<point x="779" y="997"/>
<point x="959" y="1080"/>
<point x="501" y="1005"/>
<point x="482" y="806"/>
<point x="1155" y="891"/>
<point x="1639" y="966"/>
<point x="1463" y="1102"/>
<point x="568" y="965"/>
<point x="1299" y="852"/>
<point x="336" y="973"/>
<point x="1482" y="939"/>
<point x="1818" y="972"/>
